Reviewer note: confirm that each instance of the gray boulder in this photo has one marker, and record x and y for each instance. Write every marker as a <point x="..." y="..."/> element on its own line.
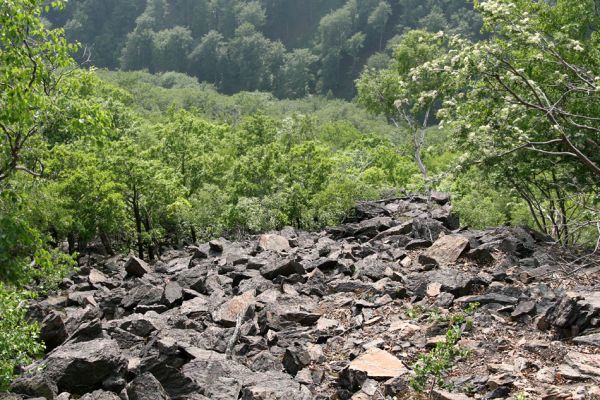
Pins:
<point x="80" y="368"/>
<point x="146" y="387"/>
<point x="100" y="395"/>
<point x="285" y="267"/>
<point x="137" y="267"/>
<point x="53" y="331"/>
<point x="35" y="385"/>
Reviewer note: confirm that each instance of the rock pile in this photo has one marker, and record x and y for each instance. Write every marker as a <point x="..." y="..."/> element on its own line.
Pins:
<point x="342" y="313"/>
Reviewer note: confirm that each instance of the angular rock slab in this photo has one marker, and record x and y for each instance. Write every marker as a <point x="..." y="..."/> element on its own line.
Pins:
<point x="53" y="331"/>
<point x="447" y="249"/>
<point x="173" y="293"/>
<point x="574" y="313"/>
<point x="146" y="387"/>
<point x="590" y="340"/>
<point x="228" y="312"/>
<point x="586" y="364"/>
<point x="80" y="368"/>
<point x="489" y="298"/>
<point x="271" y="388"/>
<point x="282" y="268"/>
<point x="137" y="267"/>
<point x="439" y="394"/>
<point x="100" y="395"/>
<point x="34" y="385"/>
<point x="451" y="281"/>
<point x="97" y="278"/>
<point x="378" y="364"/>
<point x="273" y="242"/>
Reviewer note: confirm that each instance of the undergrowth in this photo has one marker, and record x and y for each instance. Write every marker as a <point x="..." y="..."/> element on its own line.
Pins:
<point x="431" y="368"/>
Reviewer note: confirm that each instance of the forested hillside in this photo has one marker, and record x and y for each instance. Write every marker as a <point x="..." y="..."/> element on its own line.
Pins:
<point x="290" y="48"/>
<point x="162" y="130"/>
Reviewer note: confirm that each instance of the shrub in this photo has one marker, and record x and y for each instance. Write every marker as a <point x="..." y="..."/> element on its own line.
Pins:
<point x="430" y="368"/>
<point x="19" y="339"/>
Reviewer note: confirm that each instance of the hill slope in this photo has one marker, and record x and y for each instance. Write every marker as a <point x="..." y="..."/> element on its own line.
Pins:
<point x="290" y="48"/>
<point x="335" y="314"/>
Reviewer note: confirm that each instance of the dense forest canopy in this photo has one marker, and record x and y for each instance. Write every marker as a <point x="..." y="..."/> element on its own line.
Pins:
<point x="290" y="48"/>
<point x="143" y="125"/>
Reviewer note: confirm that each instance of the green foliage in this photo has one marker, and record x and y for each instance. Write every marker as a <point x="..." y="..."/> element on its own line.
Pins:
<point x="30" y="93"/>
<point x="523" y="109"/>
<point x="25" y="256"/>
<point x="28" y="85"/>
<point x="290" y="48"/>
<point x="392" y="91"/>
<point x="19" y="340"/>
<point x="431" y="367"/>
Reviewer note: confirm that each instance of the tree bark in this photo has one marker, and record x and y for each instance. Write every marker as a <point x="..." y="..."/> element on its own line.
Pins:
<point x="419" y="141"/>
<point x="193" y="234"/>
<point x="138" y="223"/>
<point x="148" y="227"/>
<point x="106" y="243"/>
<point x="71" y="242"/>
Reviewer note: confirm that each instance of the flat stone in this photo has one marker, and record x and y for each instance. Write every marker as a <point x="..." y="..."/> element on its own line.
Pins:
<point x="587" y="364"/>
<point x="447" y="249"/>
<point x="227" y="314"/>
<point x="35" y="385"/>
<point x="194" y="308"/>
<point x="273" y="242"/>
<point x="141" y="324"/>
<point x="401" y="229"/>
<point x="417" y="244"/>
<point x="96" y="277"/>
<point x="137" y="267"/>
<point x="282" y="268"/>
<point x="173" y="293"/>
<point x="100" y="395"/>
<point x="524" y="308"/>
<point x="452" y="281"/>
<point x="146" y="387"/>
<point x="378" y="363"/>
<point x="591" y="340"/>
<point x="488" y="299"/>
<point x="10" y="396"/>
<point x="439" y="394"/>
<point x="434" y="289"/>
<point x="325" y="324"/>
<point x="371" y="267"/>
<point x="295" y="359"/>
<point x="143" y="294"/>
<point x="404" y="328"/>
<point x="53" y="331"/>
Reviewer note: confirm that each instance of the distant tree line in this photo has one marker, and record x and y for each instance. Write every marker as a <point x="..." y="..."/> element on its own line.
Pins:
<point x="288" y="47"/>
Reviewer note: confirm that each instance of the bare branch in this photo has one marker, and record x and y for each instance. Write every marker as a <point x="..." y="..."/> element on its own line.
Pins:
<point x="551" y="153"/>
<point x="29" y="171"/>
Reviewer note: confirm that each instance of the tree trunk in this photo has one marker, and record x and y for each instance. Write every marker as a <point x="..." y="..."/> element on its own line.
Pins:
<point x="138" y="224"/>
<point x="419" y="141"/>
<point x="71" y="242"/>
<point x="106" y="243"/>
<point x="54" y="234"/>
<point x="81" y="245"/>
<point x="148" y="227"/>
<point x="193" y="234"/>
